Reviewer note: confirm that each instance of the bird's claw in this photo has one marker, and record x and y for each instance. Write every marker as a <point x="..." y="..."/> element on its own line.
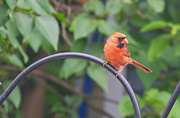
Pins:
<point x="118" y="73"/>
<point x="105" y="62"/>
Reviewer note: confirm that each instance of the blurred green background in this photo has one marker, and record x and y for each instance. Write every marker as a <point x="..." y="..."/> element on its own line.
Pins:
<point x="32" y="29"/>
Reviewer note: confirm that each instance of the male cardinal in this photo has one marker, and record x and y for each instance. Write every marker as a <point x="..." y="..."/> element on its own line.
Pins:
<point x="118" y="54"/>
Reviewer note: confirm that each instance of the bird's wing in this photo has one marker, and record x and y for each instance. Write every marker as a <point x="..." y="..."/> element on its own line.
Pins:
<point x="126" y="52"/>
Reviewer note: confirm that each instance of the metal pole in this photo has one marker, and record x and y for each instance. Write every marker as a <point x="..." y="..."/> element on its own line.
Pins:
<point x="88" y="57"/>
<point x="171" y="101"/>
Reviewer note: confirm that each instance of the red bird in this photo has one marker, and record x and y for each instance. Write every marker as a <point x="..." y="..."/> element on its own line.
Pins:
<point x="118" y="54"/>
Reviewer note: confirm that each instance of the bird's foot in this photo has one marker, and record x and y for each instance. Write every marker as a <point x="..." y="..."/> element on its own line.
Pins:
<point x="118" y="72"/>
<point x="105" y="62"/>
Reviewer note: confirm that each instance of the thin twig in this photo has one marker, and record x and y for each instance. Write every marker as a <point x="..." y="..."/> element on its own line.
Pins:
<point x="149" y="111"/>
<point x="5" y="115"/>
<point x="64" y="35"/>
<point x="69" y="11"/>
<point x="141" y="14"/>
<point x="62" y="7"/>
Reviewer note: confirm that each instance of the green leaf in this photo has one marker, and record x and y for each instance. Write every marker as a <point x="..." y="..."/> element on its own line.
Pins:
<point x="125" y="105"/>
<point x="15" y="96"/>
<point x="12" y="3"/>
<point x="25" y="56"/>
<point x="143" y="6"/>
<point x="5" y="106"/>
<point x="3" y="32"/>
<point x="128" y="2"/>
<point x="154" y="25"/>
<point x="24" y="4"/>
<point x="172" y="60"/>
<point x="76" y="19"/>
<point x="99" y="75"/>
<point x="61" y="17"/>
<point x="113" y="6"/>
<point x="175" y="112"/>
<point x="151" y="100"/>
<point x="96" y="49"/>
<point x="3" y="13"/>
<point x="79" y="45"/>
<point x="147" y="78"/>
<point x="158" y="101"/>
<point x="158" y="45"/>
<point x="49" y="28"/>
<point x="73" y="100"/>
<point x="57" y="106"/>
<point x="175" y="45"/>
<point x="138" y="21"/>
<point x="72" y="66"/>
<point x="83" y="27"/>
<point x="24" y="23"/>
<point x="173" y="12"/>
<point x="42" y="7"/>
<point x="47" y="47"/>
<point x="15" y="60"/>
<point x="157" y="5"/>
<point x="95" y="6"/>
<point x="35" y="40"/>
<point x="12" y="32"/>
<point x="106" y="27"/>
<point x="150" y="94"/>
<point x="177" y="49"/>
<point x="174" y="28"/>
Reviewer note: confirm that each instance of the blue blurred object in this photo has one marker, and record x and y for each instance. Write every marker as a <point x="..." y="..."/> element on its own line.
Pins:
<point x="87" y="88"/>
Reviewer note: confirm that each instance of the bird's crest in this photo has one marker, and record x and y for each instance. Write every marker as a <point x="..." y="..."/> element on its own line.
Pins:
<point x="118" y="34"/>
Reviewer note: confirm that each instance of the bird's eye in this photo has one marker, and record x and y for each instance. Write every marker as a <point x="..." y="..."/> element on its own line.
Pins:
<point x="120" y="38"/>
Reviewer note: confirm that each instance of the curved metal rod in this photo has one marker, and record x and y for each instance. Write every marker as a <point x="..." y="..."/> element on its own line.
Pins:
<point x="73" y="55"/>
<point x="171" y="101"/>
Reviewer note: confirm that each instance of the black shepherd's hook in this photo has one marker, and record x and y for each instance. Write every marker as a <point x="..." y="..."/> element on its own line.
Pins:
<point x="171" y="102"/>
<point x="95" y="60"/>
<point x="73" y="55"/>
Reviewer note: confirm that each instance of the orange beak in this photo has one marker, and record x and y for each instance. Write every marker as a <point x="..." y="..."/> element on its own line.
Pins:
<point x="124" y="41"/>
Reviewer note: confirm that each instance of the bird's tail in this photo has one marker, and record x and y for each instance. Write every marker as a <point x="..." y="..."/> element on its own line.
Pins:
<point x="140" y="66"/>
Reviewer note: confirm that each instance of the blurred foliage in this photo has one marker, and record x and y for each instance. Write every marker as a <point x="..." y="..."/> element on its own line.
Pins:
<point x="67" y="108"/>
<point x="152" y="28"/>
<point x="152" y="104"/>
